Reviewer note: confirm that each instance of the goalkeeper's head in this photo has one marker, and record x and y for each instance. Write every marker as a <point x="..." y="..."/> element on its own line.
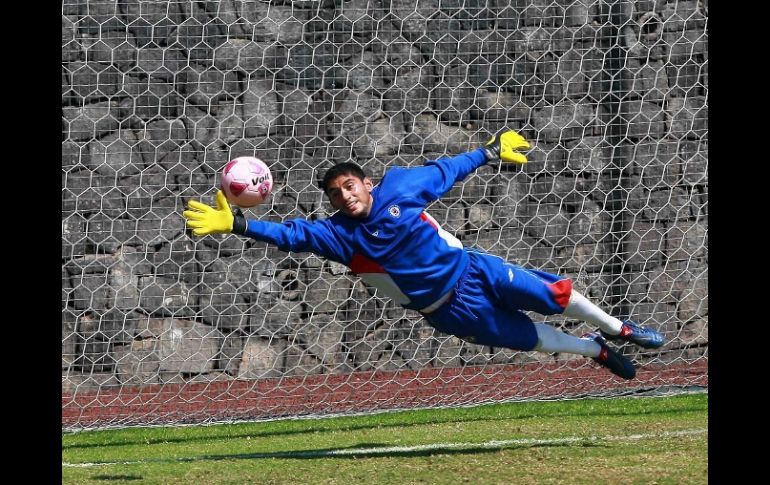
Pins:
<point x="349" y="189"/>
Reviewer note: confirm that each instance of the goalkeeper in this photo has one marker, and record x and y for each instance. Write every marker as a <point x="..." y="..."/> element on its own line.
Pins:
<point x="384" y="235"/>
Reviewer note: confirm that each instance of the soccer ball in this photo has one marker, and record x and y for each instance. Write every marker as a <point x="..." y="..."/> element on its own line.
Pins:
<point x="246" y="181"/>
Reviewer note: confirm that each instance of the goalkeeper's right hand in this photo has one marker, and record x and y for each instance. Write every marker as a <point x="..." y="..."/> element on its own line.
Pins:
<point x="204" y="219"/>
<point x="505" y="145"/>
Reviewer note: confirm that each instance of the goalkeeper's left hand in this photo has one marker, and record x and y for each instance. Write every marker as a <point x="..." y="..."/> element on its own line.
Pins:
<point x="204" y="219"/>
<point x="505" y="145"/>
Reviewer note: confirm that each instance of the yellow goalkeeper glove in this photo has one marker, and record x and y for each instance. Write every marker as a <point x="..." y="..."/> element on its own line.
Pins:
<point x="505" y="145"/>
<point x="204" y="219"/>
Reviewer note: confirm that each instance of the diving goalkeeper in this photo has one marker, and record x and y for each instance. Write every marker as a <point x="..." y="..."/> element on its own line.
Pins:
<point x="384" y="235"/>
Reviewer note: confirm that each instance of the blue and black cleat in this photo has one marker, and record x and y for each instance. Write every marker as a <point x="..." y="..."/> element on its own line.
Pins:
<point x="611" y="359"/>
<point x="636" y="334"/>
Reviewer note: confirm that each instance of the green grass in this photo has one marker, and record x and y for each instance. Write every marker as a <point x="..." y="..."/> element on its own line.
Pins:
<point x="618" y="441"/>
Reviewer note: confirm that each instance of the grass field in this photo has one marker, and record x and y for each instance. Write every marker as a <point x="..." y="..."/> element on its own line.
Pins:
<point x="660" y="440"/>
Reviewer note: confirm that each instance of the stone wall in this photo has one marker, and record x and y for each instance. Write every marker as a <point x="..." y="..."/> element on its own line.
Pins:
<point x="158" y="96"/>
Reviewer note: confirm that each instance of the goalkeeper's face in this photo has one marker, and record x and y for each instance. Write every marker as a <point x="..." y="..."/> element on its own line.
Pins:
<point x="351" y="195"/>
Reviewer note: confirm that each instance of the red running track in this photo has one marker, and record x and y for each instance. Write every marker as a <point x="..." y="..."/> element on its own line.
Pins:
<point x="359" y="392"/>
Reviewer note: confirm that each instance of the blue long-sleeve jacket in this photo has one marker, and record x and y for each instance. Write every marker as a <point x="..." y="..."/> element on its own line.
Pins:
<point x="398" y="248"/>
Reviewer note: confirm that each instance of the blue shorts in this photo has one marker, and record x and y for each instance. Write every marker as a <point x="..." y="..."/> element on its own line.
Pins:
<point x="490" y="299"/>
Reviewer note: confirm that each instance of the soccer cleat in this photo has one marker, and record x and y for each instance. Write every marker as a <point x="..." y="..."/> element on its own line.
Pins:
<point x="642" y="336"/>
<point x="611" y="359"/>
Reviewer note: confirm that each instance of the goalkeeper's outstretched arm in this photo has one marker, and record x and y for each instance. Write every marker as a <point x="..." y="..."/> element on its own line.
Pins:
<point x="297" y="235"/>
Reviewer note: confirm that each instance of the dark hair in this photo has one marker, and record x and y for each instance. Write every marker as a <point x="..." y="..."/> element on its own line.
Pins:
<point x="344" y="168"/>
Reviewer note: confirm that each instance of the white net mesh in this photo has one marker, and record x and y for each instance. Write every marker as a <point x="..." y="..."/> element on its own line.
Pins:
<point x="158" y="327"/>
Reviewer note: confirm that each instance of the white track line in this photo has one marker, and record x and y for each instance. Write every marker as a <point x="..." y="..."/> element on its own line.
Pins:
<point x="383" y="450"/>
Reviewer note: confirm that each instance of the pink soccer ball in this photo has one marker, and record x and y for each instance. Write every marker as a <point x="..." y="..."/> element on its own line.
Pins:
<point x="246" y="181"/>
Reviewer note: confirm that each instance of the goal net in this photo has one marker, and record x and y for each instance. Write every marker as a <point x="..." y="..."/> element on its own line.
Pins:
<point x="159" y="327"/>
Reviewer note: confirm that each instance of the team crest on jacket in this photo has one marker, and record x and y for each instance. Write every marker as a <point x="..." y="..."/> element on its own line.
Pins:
<point x="394" y="211"/>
